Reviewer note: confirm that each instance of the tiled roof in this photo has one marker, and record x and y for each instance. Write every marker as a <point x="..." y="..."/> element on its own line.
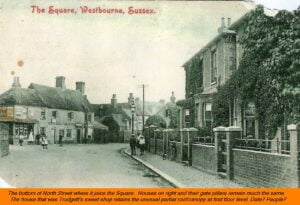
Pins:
<point x="43" y="96"/>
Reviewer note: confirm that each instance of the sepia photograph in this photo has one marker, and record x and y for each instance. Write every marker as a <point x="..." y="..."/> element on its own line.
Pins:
<point x="149" y="94"/>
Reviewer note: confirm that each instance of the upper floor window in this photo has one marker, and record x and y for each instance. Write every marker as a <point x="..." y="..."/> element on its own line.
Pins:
<point x="213" y="71"/>
<point x="89" y="117"/>
<point x="70" y="116"/>
<point x="54" y="114"/>
<point x="43" y="115"/>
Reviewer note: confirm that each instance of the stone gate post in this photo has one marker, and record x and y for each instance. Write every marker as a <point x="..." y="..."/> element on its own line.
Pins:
<point x="294" y="132"/>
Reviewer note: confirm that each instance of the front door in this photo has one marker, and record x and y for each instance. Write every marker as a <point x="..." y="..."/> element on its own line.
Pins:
<point x="78" y="134"/>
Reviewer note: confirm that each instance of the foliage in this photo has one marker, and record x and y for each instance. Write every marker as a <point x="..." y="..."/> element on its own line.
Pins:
<point x="156" y="120"/>
<point x="194" y="77"/>
<point x="204" y="132"/>
<point x="173" y="115"/>
<point x="269" y="70"/>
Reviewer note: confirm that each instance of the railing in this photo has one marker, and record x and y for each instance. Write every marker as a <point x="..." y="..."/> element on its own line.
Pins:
<point x="208" y="140"/>
<point x="264" y="145"/>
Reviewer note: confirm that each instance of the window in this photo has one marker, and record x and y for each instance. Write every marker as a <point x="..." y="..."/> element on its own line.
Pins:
<point x="167" y="113"/>
<point x="249" y="120"/>
<point x="69" y="133"/>
<point x="54" y="114"/>
<point x="70" y="116"/>
<point x="43" y="115"/>
<point x="89" y="117"/>
<point x="207" y="115"/>
<point x="42" y="130"/>
<point x="213" y="71"/>
<point x="187" y="118"/>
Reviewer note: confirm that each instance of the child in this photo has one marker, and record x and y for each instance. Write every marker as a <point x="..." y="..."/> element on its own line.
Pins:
<point x="44" y="142"/>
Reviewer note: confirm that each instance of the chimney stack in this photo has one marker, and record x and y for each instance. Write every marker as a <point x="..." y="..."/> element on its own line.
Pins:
<point x="228" y="22"/>
<point x="114" y="101"/>
<point x="80" y="87"/>
<point x="130" y="99"/>
<point x="60" y="82"/>
<point x="16" y="83"/>
<point x="137" y="101"/>
<point x="223" y="25"/>
<point x="173" y="98"/>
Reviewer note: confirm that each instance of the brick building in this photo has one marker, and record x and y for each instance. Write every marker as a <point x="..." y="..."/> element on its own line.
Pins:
<point x="51" y="111"/>
<point x="209" y="68"/>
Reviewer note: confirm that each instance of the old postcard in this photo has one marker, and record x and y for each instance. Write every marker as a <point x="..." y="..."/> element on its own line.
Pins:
<point x="149" y="94"/>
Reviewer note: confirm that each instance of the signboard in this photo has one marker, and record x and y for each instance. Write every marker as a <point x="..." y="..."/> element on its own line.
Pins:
<point x="6" y="112"/>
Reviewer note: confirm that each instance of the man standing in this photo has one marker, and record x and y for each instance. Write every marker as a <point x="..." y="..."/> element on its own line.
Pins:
<point x="132" y="142"/>
<point x="37" y="138"/>
<point x="60" y="137"/>
<point x="142" y="143"/>
<point x="21" y="138"/>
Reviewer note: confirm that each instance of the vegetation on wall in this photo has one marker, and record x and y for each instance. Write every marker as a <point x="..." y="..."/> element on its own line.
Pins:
<point x="269" y="70"/>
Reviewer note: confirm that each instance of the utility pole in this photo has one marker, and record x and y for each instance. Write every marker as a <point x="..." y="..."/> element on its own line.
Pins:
<point x="143" y="86"/>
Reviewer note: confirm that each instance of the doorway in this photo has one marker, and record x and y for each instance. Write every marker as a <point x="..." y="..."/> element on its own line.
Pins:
<point x="78" y="134"/>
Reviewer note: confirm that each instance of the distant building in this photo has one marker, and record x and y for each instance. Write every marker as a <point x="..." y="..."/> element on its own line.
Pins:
<point x="118" y="116"/>
<point x="51" y="111"/>
<point x="170" y="112"/>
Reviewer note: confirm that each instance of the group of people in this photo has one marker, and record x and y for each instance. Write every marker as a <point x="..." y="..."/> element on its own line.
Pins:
<point x="41" y="139"/>
<point x="137" y="142"/>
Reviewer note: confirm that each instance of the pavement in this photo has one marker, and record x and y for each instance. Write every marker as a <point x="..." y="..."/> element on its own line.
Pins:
<point x="181" y="176"/>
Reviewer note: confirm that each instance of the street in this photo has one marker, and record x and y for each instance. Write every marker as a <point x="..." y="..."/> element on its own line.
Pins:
<point x="82" y="165"/>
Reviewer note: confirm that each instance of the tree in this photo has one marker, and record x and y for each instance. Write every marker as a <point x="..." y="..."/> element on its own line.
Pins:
<point x="156" y="120"/>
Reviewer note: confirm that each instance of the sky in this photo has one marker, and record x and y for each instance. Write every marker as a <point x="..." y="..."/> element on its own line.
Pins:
<point x="112" y="54"/>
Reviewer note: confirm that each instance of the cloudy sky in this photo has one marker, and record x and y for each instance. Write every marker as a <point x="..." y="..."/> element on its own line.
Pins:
<point x="111" y="53"/>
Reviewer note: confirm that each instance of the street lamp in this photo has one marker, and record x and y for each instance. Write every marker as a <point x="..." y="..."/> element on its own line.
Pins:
<point x="132" y="107"/>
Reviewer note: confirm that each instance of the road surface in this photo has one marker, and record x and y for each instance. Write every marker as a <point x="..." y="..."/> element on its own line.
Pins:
<point x="88" y="165"/>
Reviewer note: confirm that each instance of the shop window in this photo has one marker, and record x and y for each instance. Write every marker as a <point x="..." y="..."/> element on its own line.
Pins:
<point x="43" y="115"/>
<point x="207" y="115"/>
<point x="213" y="70"/>
<point x="69" y="133"/>
<point x="70" y="116"/>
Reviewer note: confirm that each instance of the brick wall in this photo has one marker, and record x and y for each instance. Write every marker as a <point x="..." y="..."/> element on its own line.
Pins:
<point x="203" y="158"/>
<point x="4" y="144"/>
<point x="257" y="169"/>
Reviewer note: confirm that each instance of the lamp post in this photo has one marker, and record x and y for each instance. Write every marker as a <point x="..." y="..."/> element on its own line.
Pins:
<point x="132" y="107"/>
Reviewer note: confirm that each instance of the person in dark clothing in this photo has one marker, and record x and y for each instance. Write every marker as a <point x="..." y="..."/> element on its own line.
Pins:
<point x="37" y="139"/>
<point x="132" y="144"/>
<point x="60" y="140"/>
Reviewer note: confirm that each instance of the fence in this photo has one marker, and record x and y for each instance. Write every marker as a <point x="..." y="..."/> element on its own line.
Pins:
<point x="253" y="162"/>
